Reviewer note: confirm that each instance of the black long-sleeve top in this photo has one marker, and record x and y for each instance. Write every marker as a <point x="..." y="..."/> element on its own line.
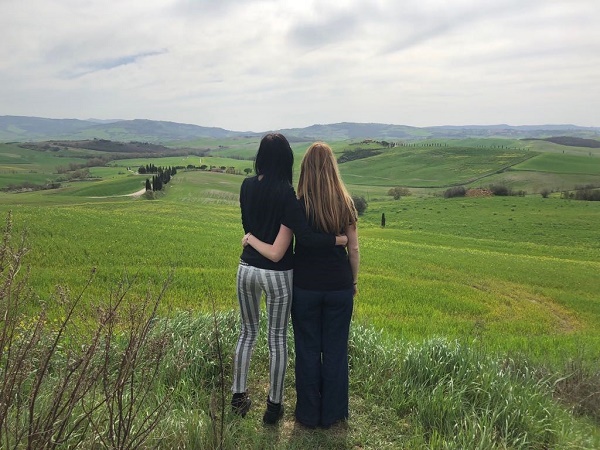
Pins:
<point x="321" y="269"/>
<point x="267" y="204"/>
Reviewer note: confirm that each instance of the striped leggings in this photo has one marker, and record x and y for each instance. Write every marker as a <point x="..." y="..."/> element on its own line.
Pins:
<point x="277" y="286"/>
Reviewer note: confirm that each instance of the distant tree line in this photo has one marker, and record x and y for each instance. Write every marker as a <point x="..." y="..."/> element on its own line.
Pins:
<point x="114" y="150"/>
<point x="242" y="158"/>
<point x="224" y="169"/>
<point x="27" y="186"/>
<point x="106" y="145"/>
<point x="570" y="141"/>
<point x="499" y="190"/>
<point x="589" y="192"/>
<point x="360" y="153"/>
<point x="151" y="168"/>
<point x="424" y="144"/>
<point x="78" y="174"/>
<point x="385" y="144"/>
<point x="161" y="177"/>
<point x="92" y="162"/>
<point x="502" y="190"/>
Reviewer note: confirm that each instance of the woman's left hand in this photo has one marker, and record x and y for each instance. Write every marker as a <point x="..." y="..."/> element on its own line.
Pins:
<point x="245" y="239"/>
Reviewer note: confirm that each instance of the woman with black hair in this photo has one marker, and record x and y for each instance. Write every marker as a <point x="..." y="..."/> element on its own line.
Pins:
<point x="268" y="202"/>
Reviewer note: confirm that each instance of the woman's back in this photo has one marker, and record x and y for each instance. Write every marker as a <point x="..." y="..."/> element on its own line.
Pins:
<point x="329" y="209"/>
<point x="323" y="268"/>
<point x="265" y="204"/>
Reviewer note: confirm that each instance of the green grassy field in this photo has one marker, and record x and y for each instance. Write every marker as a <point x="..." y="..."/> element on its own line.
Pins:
<point x="430" y="166"/>
<point x="549" y="147"/>
<point x="559" y="163"/>
<point x="18" y="165"/>
<point x="481" y="251"/>
<point x="534" y="182"/>
<point x="527" y="268"/>
<point x="511" y="277"/>
<point x="519" y="273"/>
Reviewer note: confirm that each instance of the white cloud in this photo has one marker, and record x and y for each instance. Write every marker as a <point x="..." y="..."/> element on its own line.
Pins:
<point x="268" y="64"/>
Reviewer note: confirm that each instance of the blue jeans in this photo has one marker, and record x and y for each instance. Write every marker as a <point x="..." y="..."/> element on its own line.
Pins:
<point x="321" y="321"/>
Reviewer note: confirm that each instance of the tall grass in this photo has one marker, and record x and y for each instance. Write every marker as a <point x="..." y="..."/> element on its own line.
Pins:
<point x="126" y="378"/>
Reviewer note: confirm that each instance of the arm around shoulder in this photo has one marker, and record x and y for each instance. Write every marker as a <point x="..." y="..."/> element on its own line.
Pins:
<point x="274" y="251"/>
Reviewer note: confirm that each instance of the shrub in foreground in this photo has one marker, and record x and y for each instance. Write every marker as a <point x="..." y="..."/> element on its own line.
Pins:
<point x="66" y="385"/>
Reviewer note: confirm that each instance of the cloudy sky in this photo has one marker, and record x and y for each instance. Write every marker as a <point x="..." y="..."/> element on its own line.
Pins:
<point x="262" y="65"/>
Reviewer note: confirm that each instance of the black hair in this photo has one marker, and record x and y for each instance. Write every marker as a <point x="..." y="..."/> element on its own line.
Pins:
<point x="275" y="158"/>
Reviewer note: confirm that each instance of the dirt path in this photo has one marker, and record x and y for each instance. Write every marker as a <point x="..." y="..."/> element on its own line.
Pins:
<point x="133" y="194"/>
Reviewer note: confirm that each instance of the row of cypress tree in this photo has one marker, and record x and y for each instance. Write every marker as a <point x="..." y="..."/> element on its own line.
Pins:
<point x="162" y="177"/>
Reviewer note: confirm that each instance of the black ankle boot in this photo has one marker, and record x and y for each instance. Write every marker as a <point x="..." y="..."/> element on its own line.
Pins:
<point x="240" y="403"/>
<point x="273" y="413"/>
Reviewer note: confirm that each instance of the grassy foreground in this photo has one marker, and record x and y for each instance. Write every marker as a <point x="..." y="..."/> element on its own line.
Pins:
<point x="131" y="379"/>
<point x="483" y="336"/>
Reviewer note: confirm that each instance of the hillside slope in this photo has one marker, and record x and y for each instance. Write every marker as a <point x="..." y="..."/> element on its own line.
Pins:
<point x="21" y="128"/>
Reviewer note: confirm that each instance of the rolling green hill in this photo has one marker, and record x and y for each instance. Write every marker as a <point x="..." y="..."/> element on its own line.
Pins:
<point x="559" y="163"/>
<point x="431" y="167"/>
<point x="428" y="166"/>
<point x="20" y="128"/>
